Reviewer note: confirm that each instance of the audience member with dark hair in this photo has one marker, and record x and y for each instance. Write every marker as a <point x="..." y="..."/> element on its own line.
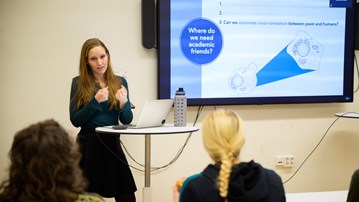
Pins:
<point x="353" y="193"/>
<point x="228" y="178"/>
<point x="44" y="167"/>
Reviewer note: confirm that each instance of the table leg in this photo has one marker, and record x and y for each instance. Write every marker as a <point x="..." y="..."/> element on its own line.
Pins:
<point x="147" y="192"/>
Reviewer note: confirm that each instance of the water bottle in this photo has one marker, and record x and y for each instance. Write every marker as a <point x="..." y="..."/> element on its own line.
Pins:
<point x="180" y="108"/>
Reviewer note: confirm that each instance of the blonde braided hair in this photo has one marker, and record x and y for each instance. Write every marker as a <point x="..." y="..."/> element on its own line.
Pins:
<point x="223" y="138"/>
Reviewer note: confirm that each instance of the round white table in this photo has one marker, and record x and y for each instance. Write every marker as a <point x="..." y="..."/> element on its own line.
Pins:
<point x="354" y="115"/>
<point x="163" y="130"/>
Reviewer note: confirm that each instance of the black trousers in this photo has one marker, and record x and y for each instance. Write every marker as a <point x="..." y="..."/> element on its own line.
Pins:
<point x="128" y="197"/>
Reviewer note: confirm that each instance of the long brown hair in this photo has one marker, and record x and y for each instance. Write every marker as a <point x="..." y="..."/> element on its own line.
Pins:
<point x="44" y="166"/>
<point x="86" y="86"/>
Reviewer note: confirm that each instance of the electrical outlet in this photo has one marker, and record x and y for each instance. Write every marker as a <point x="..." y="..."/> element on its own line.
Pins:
<point x="279" y="161"/>
<point x="285" y="161"/>
<point x="288" y="161"/>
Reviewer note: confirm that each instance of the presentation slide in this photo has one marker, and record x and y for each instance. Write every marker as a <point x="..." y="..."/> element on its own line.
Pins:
<point x="257" y="48"/>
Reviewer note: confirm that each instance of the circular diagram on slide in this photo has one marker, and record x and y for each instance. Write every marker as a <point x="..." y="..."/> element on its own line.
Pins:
<point x="243" y="80"/>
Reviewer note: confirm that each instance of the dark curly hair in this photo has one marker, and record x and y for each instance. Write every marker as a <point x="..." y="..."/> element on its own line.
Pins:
<point x="44" y="166"/>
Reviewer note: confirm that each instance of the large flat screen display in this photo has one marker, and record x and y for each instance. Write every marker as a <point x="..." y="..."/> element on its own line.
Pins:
<point x="229" y="52"/>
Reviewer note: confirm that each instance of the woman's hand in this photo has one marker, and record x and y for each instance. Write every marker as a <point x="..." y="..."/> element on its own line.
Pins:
<point x="176" y="188"/>
<point x="175" y="192"/>
<point x="121" y="96"/>
<point x="102" y="95"/>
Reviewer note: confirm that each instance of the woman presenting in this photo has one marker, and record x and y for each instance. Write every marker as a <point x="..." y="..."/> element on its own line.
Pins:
<point x="100" y="98"/>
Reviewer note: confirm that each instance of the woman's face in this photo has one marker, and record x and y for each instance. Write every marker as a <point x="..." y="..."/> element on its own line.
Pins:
<point x="97" y="59"/>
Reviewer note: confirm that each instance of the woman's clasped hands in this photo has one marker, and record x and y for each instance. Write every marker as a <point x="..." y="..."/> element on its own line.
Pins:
<point x="102" y="95"/>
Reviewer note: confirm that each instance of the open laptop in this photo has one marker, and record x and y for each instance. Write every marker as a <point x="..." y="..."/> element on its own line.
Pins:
<point x="154" y="114"/>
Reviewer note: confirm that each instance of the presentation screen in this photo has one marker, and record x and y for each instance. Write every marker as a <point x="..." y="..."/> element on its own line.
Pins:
<point x="230" y="52"/>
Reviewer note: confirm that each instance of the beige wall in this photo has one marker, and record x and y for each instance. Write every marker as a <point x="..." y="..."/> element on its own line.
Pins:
<point x="40" y="43"/>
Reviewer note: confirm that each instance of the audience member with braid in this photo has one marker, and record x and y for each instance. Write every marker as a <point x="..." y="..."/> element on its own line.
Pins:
<point x="228" y="179"/>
